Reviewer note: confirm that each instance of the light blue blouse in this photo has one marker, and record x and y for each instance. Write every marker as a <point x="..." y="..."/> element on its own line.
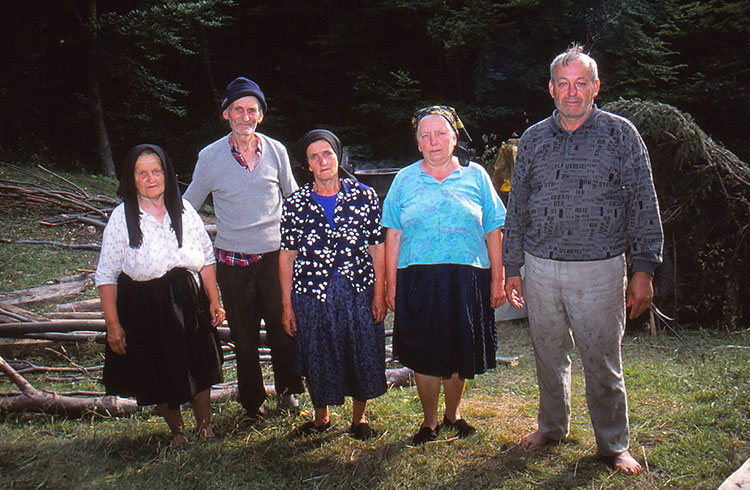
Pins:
<point x="443" y="222"/>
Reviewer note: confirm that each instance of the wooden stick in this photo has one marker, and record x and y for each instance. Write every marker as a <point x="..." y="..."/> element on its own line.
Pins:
<point x="83" y="246"/>
<point x="19" y="380"/>
<point x="75" y="186"/>
<point x="21" y="328"/>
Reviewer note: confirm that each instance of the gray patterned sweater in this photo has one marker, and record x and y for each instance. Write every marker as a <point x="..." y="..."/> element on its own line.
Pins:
<point x="583" y="195"/>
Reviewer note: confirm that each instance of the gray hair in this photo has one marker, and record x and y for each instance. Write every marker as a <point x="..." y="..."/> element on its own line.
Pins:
<point x="574" y="53"/>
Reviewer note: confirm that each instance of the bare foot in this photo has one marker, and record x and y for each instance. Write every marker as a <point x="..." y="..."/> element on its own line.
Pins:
<point x="534" y="441"/>
<point x="626" y="463"/>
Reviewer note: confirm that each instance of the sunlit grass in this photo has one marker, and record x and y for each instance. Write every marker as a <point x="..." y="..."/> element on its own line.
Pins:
<point x="689" y="410"/>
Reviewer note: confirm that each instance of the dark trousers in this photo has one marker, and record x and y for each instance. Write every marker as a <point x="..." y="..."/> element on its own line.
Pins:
<point x="249" y="294"/>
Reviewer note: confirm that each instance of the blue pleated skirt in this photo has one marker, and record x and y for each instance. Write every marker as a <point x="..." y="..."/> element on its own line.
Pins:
<point x="444" y="323"/>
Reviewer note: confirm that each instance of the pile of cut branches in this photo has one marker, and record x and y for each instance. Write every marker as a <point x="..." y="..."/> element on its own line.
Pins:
<point x="56" y="192"/>
<point x="704" y="194"/>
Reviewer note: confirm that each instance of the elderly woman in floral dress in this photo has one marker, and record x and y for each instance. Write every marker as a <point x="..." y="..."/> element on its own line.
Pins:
<point x="332" y="283"/>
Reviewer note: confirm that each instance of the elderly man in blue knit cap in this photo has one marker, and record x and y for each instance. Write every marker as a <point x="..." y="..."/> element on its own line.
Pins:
<point x="249" y="175"/>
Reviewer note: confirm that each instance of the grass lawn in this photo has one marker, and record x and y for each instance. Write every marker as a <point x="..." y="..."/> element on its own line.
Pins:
<point x="689" y="410"/>
<point x="689" y="413"/>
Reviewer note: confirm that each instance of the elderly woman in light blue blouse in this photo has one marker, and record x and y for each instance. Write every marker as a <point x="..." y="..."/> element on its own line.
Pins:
<point x="444" y="271"/>
<point x="158" y="290"/>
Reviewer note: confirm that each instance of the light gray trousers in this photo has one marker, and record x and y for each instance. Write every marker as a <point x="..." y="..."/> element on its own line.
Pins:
<point x="579" y="303"/>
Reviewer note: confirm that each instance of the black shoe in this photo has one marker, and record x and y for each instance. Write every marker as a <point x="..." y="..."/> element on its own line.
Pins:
<point x="310" y="428"/>
<point x="362" y="431"/>
<point x="425" y="434"/>
<point x="463" y="427"/>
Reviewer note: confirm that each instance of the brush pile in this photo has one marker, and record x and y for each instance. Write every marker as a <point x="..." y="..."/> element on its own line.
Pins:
<point x="704" y="194"/>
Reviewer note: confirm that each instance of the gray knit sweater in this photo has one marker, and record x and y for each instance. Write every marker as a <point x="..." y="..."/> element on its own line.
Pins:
<point x="247" y="204"/>
<point x="583" y="195"/>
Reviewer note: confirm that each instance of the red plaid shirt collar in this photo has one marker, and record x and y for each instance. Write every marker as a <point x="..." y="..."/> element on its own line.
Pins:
<point x="238" y="155"/>
<point x="236" y="259"/>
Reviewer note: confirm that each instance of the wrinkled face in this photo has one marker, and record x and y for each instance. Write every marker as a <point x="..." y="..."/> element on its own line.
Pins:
<point x="574" y="92"/>
<point x="244" y="115"/>
<point x="322" y="160"/>
<point x="149" y="176"/>
<point x="435" y="139"/>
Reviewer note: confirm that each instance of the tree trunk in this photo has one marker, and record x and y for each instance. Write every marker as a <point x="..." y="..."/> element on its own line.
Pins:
<point x="33" y="400"/>
<point x="91" y="28"/>
<point x="206" y="59"/>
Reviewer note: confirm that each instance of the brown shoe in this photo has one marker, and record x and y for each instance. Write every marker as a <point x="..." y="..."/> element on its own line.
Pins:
<point x="252" y="419"/>
<point x="288" y="402"/>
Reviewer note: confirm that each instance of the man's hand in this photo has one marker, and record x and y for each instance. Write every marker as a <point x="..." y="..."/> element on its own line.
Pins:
<point x="640" y="293"/>
<point x="514" y="291"/>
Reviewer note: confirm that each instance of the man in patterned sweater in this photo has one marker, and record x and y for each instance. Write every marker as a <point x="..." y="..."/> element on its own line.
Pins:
<point x="582" y="196"/>
<point x="249" y="176"/>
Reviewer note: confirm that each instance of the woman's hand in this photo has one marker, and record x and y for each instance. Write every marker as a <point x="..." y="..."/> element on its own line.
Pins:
<point x="497" y="293"/>
<point x="378" y="307"/>
<point x="116" y="338"/>
<point x="390" y="296"/>
<point x="288" y="321"/>
<point x="217" y="313"/>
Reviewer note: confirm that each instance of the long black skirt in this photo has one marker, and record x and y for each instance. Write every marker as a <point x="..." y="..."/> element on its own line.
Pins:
<point x="172" y="351"/>
<point x="444" y="323"/>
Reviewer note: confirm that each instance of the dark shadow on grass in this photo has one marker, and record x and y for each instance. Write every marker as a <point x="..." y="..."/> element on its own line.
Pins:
<point x="512" y="461"/>
<point x="135" y="448"/>
<point x="284" y="456"/>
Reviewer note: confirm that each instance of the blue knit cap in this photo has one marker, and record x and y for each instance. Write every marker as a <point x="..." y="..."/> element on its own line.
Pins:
<point x="242" y="87"/>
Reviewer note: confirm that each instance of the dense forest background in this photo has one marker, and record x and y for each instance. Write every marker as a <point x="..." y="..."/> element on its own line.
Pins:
<point x="83" y="80"/>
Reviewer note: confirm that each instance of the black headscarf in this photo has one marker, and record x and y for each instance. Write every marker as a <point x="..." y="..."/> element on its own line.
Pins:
<point x="129" y="194"/>
<point x="314" y="135"/>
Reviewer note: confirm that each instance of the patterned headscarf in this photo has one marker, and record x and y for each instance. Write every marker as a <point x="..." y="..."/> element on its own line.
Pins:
<point x="449" y="114"/>
<point x="446" y="112"/>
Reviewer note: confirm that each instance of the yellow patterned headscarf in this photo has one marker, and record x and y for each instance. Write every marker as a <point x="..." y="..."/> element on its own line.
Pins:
<point x="447" y="112"/>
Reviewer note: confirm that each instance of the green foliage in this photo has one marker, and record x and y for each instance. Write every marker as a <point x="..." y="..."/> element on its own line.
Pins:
<point x="360" y="68"/>
<point x="704" y="195"/>
<point x="145" y="52"/>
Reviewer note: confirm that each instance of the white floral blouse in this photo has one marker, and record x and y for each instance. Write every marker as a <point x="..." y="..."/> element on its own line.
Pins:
<point x="158" y="254"/>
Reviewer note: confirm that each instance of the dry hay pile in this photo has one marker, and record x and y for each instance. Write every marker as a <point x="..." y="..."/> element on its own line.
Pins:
<point x="704" y="194"/>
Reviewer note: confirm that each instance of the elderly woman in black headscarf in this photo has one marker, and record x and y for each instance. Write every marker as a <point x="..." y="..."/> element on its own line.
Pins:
<point x="444" y="268"/>
<point x="158" y="291"/>
<point x="331" y="269"/>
